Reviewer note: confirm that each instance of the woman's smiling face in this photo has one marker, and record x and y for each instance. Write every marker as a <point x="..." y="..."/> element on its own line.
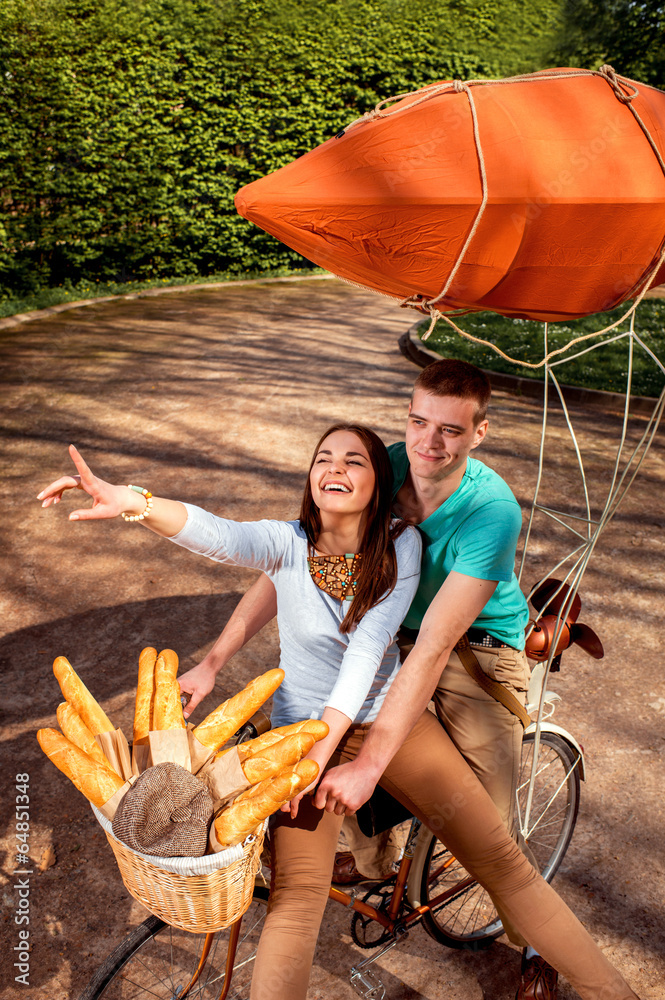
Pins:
<point x="342" y="477"/>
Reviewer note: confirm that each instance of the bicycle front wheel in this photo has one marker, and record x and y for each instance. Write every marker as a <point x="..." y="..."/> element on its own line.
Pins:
<point x="468" y="919"/>
<point x="159" y="961"/>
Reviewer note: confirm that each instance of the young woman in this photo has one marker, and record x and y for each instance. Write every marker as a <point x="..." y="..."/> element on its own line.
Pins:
<point x="345" y="574"/>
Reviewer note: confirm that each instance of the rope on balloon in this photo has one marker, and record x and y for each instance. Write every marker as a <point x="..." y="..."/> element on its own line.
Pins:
<point x="460" y="87"/>
<point x="435" y="89"/>
<point x="620" y="85"/>
<point x="586" y="538"/>
<point x="625" y="90"/>
<point x="436" y="315"/>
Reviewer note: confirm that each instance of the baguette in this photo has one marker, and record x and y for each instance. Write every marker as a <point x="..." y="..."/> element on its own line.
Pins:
<point x="252" y="807"/>
<point x="217" y="727"/>
<point x="167" y="708"/>
<point x="77" y="695"/>
<point x="145" y="693"/>
<point x="274" y="759"/>
<point x="98" y="782"/>
<point x="314" y="727"/>
<point x="166" y="665"/>
<point x="76" y="731"/>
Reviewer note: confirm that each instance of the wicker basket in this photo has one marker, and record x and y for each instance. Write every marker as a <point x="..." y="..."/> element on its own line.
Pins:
<point x="200" y="895"/>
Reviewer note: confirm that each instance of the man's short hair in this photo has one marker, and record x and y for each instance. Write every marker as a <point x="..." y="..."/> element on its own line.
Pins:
<point x="450" y="377"/>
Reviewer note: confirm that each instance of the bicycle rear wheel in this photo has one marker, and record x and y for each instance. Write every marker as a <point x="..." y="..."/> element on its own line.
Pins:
<point x="159" y="961"/>
<point x="468" y="919"/>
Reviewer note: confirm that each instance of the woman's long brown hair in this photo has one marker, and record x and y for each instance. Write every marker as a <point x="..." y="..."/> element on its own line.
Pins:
<point x="378" y="566"/>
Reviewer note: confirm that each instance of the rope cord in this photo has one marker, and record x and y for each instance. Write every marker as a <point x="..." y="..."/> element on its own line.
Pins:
<point x="435" y="89"/>
<point x="417" y="300"/>
<point x="625" y="91"/>
<point x="615" y="83"/>
<point x="436" y="315"/>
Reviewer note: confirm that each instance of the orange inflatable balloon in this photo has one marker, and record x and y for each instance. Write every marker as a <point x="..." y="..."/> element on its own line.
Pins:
<point x="539" y="197"/>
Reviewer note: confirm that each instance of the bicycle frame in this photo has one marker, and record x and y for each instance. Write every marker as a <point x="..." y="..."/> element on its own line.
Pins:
<point x="393" y="920"/>
<point x="400" y="905"/>
<point x="404" y="896"/>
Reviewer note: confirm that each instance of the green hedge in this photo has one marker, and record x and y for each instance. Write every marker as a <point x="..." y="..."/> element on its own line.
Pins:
<point x="128" y="125"/>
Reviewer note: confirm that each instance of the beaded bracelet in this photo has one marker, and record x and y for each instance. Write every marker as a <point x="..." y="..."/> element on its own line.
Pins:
<point x="148" y="505"/>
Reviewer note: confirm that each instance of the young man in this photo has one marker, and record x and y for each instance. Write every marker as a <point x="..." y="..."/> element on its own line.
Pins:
<point x="470" y="522"/>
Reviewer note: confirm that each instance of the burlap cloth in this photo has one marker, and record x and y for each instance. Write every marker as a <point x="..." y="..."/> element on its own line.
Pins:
<point x="166" y="813"/>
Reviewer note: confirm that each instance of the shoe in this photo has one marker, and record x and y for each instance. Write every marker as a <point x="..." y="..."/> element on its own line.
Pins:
<point x="539" y="980"/>
<point x="345" y="871"/>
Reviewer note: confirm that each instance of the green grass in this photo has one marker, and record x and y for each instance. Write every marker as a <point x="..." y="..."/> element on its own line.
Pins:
<point x="603" y="368"/>
<point x="68" y="292"/>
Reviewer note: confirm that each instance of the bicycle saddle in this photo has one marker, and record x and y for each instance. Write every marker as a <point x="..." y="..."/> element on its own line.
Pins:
<point x="380" y="812"/>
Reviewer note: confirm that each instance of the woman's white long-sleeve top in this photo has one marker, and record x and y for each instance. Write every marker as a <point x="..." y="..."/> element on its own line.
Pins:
<point x="323" y="667"/>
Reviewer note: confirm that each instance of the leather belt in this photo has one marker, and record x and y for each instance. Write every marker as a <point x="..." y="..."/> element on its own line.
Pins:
<point x="479" y="638"/>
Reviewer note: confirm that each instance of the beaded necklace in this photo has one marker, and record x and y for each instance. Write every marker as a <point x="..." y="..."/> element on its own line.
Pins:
<point x="337" y="575"/>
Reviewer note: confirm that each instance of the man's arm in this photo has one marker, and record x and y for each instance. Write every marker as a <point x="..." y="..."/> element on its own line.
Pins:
<point x="338" y="723"/>
<point x="256" y="609"/>
<point x="454" y="609"/>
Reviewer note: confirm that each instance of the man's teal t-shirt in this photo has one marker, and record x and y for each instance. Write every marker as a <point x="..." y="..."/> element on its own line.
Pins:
<point x="474" y="532"/>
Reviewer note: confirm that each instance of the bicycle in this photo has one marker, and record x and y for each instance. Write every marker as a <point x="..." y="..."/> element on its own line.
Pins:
<point x="430" y="888"/>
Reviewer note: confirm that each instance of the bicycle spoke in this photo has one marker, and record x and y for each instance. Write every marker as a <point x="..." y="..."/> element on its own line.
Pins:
<point x="467" y="911"/>
<point x="468" y="917"/>
<point x="157" y="962"/>
<point x="547" y="794"/>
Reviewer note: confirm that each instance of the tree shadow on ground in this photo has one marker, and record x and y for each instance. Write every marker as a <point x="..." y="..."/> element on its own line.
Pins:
<point x="103" y="644"/>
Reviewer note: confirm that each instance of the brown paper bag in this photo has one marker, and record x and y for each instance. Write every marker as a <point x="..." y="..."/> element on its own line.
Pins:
<point x="140" y="755"/>
<point x="169" y="746"/>
<point x="110" y="807"/>
<point x="199" y="753"/>
<point x="115" y="748"/>
<point x="224" y="778"/>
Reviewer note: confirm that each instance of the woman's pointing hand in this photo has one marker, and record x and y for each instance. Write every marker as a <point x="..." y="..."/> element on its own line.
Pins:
<point x="108" y="500"/>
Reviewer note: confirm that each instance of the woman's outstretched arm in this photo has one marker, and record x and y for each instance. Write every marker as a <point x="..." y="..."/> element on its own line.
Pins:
<point x="166" y="517"/>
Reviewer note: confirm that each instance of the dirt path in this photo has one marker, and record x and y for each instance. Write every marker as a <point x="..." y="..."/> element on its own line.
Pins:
<point x="217" y="396"/>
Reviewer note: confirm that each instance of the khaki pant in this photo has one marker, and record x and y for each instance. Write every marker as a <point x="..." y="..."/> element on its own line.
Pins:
<point x="375" y="857"/>
<point x="430" y="778"/>
<point x="488" y="736"/>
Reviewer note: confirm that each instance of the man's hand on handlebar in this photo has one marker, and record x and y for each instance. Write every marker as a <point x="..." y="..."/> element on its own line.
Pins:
<point x="344" y="789"/>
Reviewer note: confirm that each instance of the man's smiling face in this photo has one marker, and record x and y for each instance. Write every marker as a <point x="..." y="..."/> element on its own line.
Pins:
<point x="440" y="434"/>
